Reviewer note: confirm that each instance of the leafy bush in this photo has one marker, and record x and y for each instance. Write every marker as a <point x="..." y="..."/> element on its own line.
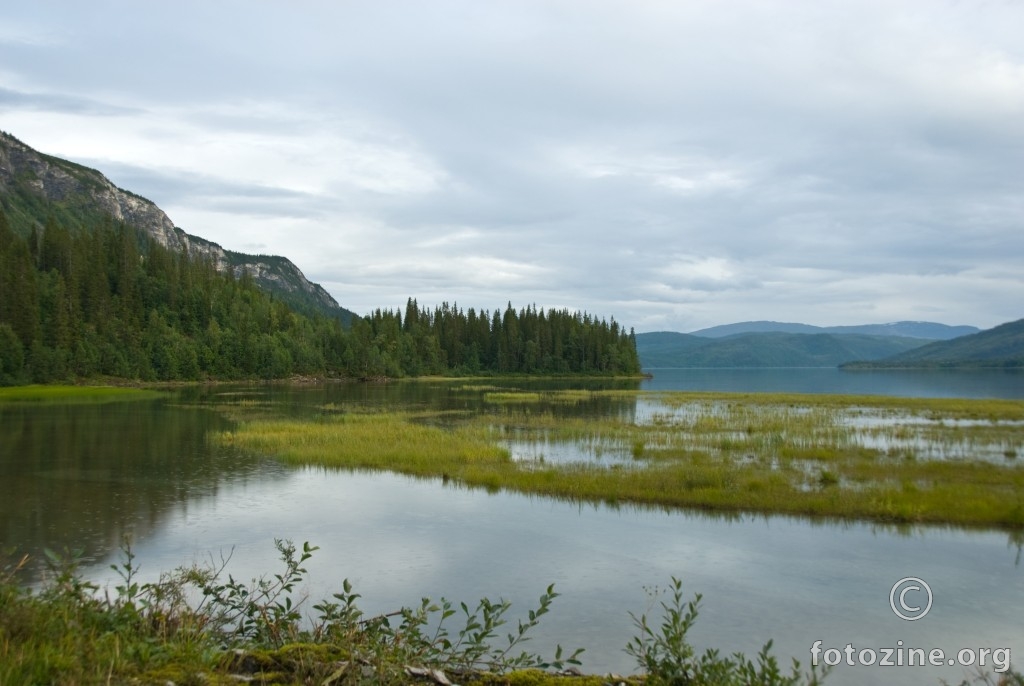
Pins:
<point x="69" y="633"/>
<point x="193" y="627"/>
<point x="669" y="660"/>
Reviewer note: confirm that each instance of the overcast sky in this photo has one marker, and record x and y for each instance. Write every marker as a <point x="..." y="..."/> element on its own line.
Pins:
<point x="675" y="164"/>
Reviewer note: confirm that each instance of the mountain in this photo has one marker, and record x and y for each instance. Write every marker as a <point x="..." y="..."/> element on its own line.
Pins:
<point x="771" y="349"/>
<point x="754" y="327"/>
<point x="927" y="330"/>
<point x="1002" y="346"/>
<point x="906" y="329"/>
<point x="35" y="187"/>
<point x="665" y="348"/>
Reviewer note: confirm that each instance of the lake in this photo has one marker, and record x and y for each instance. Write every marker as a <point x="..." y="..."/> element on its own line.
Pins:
<point x="84" y="476"/>
<point x="911" y="383"/>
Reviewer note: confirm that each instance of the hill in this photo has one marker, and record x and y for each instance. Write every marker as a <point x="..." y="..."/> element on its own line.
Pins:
<point x="905" y="329"/>
<point x="1002" y="346"/>
<point x="35" y="188"/>
<point x="96" y="282"/>
<point x="665" y="348"/>
<point x="772" y="349"/>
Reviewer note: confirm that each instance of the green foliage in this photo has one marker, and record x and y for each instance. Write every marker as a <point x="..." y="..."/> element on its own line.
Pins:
<point x="101" y="300"/>
<point x="262" y="612"/>
<point x="192" y="622"/>
<point x="12" y="356"/>
<point x="667" y="657"/>
<point x="527" y="341"/>
<point x="190" y="626"/>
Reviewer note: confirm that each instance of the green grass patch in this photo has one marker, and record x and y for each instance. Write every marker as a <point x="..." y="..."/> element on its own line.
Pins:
<point x="786" y="454"/>
<point x="506" y="398"/>
<point x="382" y="441"/>
<point x="74" y="394"/>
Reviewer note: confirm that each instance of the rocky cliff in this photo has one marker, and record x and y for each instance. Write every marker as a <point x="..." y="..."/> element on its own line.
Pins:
<point x="34" y="186"/>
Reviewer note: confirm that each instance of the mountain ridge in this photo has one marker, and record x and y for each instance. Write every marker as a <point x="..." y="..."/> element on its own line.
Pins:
<point x="1000" y="346"/>
<point x="34" y="184"/>
<point x="906" y="329"/>
<point x="765" y="349"/>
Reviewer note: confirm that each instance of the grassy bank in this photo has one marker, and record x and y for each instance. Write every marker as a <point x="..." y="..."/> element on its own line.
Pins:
<point x="73" y="394"/>
<point x="875" y="458"/>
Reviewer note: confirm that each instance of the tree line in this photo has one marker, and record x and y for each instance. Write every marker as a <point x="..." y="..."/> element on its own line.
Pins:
<point x="110" y="301"/>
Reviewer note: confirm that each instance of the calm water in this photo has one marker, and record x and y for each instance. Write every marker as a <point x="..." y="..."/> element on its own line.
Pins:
<point x="951" y="383"/>
<point x="84" y="476"/>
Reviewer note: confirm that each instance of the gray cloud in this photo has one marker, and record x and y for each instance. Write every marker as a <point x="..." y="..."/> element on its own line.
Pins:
<point x="677" y="165"/>
<point x="54" y="102"/>
<point x="209" y="192"/>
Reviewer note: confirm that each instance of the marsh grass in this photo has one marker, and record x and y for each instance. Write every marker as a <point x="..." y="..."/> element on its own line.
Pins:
<point x="856" y="458"/>
<point x="63" y="395"/>
<point x="393" y="441"/>
<point x="506" y="398"/>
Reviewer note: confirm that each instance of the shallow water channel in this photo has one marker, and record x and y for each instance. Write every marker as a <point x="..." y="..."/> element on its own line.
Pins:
<point x="81" y="477"/>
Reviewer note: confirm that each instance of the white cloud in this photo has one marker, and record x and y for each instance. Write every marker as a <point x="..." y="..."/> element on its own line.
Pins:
<point x="705" y="274"/>
<point x="676" y="165"/>
<point x="681" y="174"/>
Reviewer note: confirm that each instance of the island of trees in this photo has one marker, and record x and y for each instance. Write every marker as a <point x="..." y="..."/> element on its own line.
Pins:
<point x="111" y="302"/>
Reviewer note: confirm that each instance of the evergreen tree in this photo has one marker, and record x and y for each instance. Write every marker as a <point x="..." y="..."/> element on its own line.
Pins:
<point x="104" y="300"/>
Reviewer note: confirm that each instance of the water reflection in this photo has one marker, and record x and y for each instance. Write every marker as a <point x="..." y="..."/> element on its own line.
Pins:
<point x="77" y="478"/>
<point x="543" y="453"/>
<point x="439" y="395"/>
<point x="399" y="539"/>
<point x="910" y="383"/>
<point x="82" y="476"/>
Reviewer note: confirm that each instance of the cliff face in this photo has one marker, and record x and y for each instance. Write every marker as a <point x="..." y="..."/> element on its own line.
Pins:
<point x="31" y="182"/>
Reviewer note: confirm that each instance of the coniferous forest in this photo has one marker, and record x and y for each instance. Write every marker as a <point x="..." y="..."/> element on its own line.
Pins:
<point x="111" y="302"/>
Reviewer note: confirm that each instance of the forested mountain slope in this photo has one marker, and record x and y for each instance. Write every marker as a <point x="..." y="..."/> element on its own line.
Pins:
<point x="97" y="282"/>
<point x="666" y="349"/>
<point x="1002" y="346"/>
<point x="111" y="301"/>
<point x="35" y="187"/>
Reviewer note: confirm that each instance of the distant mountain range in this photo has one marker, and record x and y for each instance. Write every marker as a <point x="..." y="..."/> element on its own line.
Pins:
<point x="763" y="344"/>
<point x="927" y="330"/>
<point x="772" y="349"/>
<point x="34" y="186"/>
<point x="1002" y="346"/>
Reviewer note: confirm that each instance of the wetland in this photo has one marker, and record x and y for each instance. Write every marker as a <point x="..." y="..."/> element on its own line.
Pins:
<point x="800" y="510"/>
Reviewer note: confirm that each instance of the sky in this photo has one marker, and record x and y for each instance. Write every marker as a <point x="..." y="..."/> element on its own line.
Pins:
<point x="673" y="164"/>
